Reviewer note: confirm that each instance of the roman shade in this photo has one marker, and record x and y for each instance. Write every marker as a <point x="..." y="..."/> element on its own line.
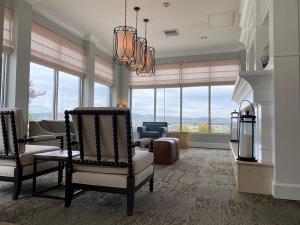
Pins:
<point x="104" y="71"/>
<point x="166" y="75"/>
<point x="53" y="50"/>
<point x="215" y="72"/>
<point x="7" y="31"/>
<point x="218" y="72"/>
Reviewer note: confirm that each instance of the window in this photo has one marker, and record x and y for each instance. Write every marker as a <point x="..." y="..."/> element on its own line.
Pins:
<point x="101" y="95"/>
<point x="41" y="93"/>
<point x="221" y="107"/>
<point x="3" y="79"/>
<point x="168" y="107"/>
<point x="68" y="93"/>
<point x="195" y="116"/>
<point x="51" y="92"/>
<point x="142" y="106"/>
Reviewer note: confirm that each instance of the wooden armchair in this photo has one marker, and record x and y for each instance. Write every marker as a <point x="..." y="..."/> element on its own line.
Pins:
<point x="16" y="155"/>
<point x="108" y="160"/>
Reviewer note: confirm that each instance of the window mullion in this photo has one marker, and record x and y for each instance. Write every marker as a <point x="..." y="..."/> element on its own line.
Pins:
<point x="55" y="97"/>
<point x="209" y="109"/>
<point x="155" y="93"/>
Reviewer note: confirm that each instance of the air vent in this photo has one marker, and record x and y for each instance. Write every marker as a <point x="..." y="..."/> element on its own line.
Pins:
<point x="171" y="33"/>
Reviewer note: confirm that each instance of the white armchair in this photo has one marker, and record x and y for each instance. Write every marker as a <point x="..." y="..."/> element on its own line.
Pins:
<point x="16" y="155"/>
<point x="108" y="159"/>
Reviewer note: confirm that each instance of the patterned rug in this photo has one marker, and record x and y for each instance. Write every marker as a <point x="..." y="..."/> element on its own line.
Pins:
<point x="198" y="189"/>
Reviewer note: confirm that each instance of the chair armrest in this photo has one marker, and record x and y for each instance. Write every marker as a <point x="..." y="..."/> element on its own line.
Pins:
<point x="141" y="129"/>
<point x="41" y="138"/>
<point x="163" y="130"/>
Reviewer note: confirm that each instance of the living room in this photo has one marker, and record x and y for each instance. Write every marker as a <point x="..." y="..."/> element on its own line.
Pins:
<point x="149" y="112"/>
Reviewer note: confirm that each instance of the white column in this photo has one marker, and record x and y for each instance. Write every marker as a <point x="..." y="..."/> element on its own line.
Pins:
<point x="285" y="16"/>
<point x="19" y="61"/>
<point x="88" y="81"/>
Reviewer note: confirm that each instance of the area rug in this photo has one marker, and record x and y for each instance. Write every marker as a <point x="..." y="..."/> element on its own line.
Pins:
<point x="198" y="189"/>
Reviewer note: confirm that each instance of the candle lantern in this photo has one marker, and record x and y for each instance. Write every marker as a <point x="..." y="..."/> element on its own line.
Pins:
<point x="246" y="136"/>
<point x="234" y="126"/>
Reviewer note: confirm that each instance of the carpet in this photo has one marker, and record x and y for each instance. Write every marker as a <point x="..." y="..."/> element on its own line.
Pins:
<point x="197" y="190"/>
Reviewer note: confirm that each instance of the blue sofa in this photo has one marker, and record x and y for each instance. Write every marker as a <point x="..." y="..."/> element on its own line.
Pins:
<point x="153" y="130"/>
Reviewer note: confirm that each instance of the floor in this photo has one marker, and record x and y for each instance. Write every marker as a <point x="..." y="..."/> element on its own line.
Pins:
<point x="198" y="189"/>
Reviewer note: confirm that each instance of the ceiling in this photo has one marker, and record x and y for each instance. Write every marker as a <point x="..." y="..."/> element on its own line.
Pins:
<point x="217" y="20"/>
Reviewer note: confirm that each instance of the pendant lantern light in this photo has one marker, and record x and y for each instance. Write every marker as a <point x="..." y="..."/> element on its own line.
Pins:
<point x="148" y="68"/>
<point x="124" y="42"/>
<point x="140" y="44"/>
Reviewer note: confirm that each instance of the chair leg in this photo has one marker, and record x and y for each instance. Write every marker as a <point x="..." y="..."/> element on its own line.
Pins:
<point x="130" y="195"/>
<point x="17" y="183"/>
<point x="68" y="196"/>
<point x="60" y="172"/>
<point x="151" y="184"/>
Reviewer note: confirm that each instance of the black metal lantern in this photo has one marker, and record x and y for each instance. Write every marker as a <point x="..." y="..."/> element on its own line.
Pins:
<point x="246" y="135"/>
<point x="148" y="68"/>
<point x="124" y="42"/>
<point x="234" y="137"/>
<point x="139" y="54"/>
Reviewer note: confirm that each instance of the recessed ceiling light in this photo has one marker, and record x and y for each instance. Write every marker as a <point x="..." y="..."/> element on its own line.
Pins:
<point x="166" y="4"/>
<point x="203" y="37"/>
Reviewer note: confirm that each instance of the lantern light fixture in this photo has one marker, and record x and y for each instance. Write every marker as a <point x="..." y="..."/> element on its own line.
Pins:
<point x="234" y="126"/>
<point x="140" y="44"/>
<point x="148" y="68"/>
<point x="246" y="135"/>
<point x="124" y="42"/>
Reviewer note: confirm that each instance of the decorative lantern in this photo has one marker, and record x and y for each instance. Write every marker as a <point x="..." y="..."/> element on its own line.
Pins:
<point x="246" y="136"/>
<point x="124" y="42"/>
<point x="234" y="126"/>
<point x="140" y="44"/>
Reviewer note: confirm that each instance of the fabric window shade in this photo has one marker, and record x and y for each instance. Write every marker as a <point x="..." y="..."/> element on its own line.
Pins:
<point x="7" y="31"/>
<point x="166" y="75"/>
<point x="53" y="50"/>
<point x="210" y="72"/>
<point x="104" y="71"/>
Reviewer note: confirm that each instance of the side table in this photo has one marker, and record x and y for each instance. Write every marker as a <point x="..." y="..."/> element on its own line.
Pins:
<point x="59" y="156"/>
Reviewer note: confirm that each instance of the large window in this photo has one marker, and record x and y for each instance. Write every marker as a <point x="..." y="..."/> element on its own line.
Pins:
<point x="168" y="107"/>
<point x="51" y="92"/>
<point x="41" y="92"/>
<point x="205" y="109"/>
<point x="221" y="107"/>
<point x="68" y="93"/>
<point x="142" y="106"/>
<point x="195" y="117"/>
<point x="101" y="95"/>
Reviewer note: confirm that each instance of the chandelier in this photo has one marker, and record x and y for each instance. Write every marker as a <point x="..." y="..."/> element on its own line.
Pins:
<point x="133" y="50"/>
<point x="140" y="45"/>
<point x="124" y="42"/>
<point x="148" y="68"/>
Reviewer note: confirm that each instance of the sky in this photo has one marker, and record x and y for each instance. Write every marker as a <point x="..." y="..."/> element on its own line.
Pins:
<point x="195" y="101"/>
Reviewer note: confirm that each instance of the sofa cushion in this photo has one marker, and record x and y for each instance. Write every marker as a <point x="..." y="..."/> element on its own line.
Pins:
<point x="140" y="161"/>
<point x="27" y="157"/>
<point x="109" y="180"/>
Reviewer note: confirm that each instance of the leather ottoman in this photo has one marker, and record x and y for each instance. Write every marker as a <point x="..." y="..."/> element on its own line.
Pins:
<point x="166" y="150"/>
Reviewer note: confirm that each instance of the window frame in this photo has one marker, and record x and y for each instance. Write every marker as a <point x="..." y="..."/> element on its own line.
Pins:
<point x="109" y="93"/>
<point x="3" y="80"/>
<point x="181" y="104"/>
<point x="56" y="87"/>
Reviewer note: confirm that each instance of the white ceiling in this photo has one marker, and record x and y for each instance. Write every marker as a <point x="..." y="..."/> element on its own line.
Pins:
<point x="216" y="19"/>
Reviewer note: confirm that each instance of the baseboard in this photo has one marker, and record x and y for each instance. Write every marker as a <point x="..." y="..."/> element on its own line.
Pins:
<point x="286" y="191"/>
<point x="209" y="145"/>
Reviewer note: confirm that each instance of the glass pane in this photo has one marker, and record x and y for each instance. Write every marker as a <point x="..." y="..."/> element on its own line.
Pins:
<point x="41" y="92"/>
<point x="101" y="95"/>
<point x="221" y="107"/>
<point x="195" y="109"/>
<point x="68" y="93"/>
<point x="142" y="106"/>
<point x="168" y="107"/>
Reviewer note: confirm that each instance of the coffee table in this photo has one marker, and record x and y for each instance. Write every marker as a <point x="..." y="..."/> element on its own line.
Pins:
<point x="60" y="156"/>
